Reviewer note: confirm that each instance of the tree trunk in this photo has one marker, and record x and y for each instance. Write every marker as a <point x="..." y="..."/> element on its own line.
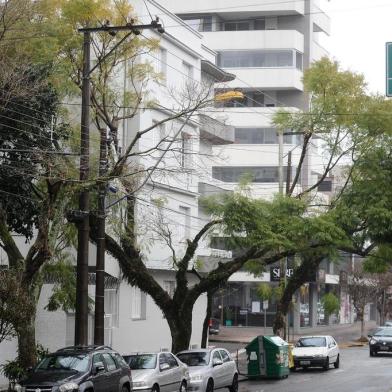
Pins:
<point x="27" y="352"/>
<point x="180" y="324"/>
<point x="279" y="326"/>
<point x="207" y="319"/>
<point x="362" y="318"/>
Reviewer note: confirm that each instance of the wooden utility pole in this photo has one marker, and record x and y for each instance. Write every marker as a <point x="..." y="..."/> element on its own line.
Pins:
<point x="81" y="217"/>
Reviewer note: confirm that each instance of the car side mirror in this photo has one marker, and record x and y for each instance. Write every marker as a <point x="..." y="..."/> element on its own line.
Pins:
<point x="370" y="336"/>
<point x="98" y="369"/>
<point x="29" y="369"/>
<point x="164" y="366"/>
<point x="217" y="362"/>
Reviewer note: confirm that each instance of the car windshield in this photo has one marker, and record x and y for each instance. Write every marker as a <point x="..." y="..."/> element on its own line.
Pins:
<point x="312" y="342"/>
<point x="198" y="358"/>
<point x="141" y="361"/>
<point x="77" y="362"/>
<point x="383" y="332"/>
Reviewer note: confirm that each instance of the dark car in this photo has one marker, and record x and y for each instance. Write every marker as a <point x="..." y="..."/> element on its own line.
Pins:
<point x="79" y="369"/>
<point x="213" y="326"/>
<point x="380" y="340"/>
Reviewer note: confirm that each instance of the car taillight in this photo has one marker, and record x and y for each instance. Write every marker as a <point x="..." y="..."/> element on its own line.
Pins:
<point x="210" y="323"/>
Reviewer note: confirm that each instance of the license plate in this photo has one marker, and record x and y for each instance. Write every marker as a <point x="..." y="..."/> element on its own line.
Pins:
<point x="304" y="362"/>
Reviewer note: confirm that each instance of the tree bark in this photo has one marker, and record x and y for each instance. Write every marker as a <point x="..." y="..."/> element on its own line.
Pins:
<point x="27" y="352"/>
<point x="206" y="322"/>
<point x="180" y="325"/>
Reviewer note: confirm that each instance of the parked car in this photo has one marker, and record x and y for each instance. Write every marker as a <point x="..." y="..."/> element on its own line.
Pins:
<point x="210" y="369"/>
<point x="314" y="351"/>
<point x="380" y="340"/>
<point x="213" y="326"/>
<point x="77" y="368"/>
<point x="388" y="323"/>
<point x="155" y="372"/>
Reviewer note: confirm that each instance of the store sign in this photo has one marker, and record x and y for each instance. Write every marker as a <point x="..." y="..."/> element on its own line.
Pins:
<point x="275" y="273"/>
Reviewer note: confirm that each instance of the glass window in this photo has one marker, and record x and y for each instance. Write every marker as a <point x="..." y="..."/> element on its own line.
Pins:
<point x="262" y="136"/>
<point x="216" y="356"/>
<point x="97" y="360"/>
<point x="170" y="287"/>
<point x="195" y="358"/>
<point x="225" y="356"/>
<point x="299" y="60"/>
<point x="187" y="70"/>
<point x="256" y="58"/>
<point x="259" y="174"/>
<point x="259" y="24"/>
<point x="138" y="304"/>
<point x="141" y="361"/>
<point x="312" y="342"/>
<point x="110" y="362"/>
<point x="64" y="363"/>
<point x="171" y="360"/>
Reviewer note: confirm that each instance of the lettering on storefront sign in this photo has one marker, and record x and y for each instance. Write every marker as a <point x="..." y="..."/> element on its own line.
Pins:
<point x="275" y="273"/>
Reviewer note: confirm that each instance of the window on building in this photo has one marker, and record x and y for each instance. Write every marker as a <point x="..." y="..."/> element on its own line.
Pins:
<point x="186" y="151"/>
<point x="187" y="71"/>
<point x="259" y="174"/>
<point x="203" y="23"/>
<point x="185" y="219"/>
<point x="262" y="136"/>
<point x="163" y="64"/>
<point x="251" y="99"/>
<point x="270" y="58"/>
<point x="138" y="304"/>
<point x="325" y="186"/>
<point x="169" y="286"/>
<point x="111" y="305"/>
<point x="299" y="60"/>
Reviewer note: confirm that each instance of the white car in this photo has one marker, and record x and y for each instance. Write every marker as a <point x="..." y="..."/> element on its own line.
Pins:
<point x="315" y="351"/>
<point x="210" y="369"/>
<point x="157" y="372"/>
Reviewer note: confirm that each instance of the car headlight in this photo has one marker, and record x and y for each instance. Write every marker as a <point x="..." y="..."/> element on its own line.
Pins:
<point x="19" y="388"/>
<point x="373" y="341"/>
<point x="196" y="377"/>
<point x="69" y="386"/>
<point x="138" y="384"/>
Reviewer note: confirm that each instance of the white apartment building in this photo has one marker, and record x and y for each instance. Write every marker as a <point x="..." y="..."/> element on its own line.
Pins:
<point x="168" y="199"/>
<point x="267" y="45"/>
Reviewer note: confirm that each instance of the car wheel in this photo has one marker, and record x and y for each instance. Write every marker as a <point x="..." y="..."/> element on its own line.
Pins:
<point x="155" y="388"/>
<point x="326" y="365"/>
<point x="293" y="369"/>
<point x="183" y="386"/>
<point x="234" y="385"/>
<point x="337" y="363"/>
<point x="210" y="386"/>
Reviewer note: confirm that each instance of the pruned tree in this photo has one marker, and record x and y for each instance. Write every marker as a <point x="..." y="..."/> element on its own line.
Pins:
<point x="362" y="288"/>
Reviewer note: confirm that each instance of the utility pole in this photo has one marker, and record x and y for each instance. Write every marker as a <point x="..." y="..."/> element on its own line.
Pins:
<point x="81" y="217"/>
<point x="81" y="308"/>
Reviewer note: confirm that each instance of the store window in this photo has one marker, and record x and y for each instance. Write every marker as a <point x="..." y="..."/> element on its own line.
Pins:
<point x="304" y="306"/>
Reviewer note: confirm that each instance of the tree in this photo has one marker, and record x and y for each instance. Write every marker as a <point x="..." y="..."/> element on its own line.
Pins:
<point x="362" y="289"/>
<point x="12" y="297"/>
<point x="345" y="118"/>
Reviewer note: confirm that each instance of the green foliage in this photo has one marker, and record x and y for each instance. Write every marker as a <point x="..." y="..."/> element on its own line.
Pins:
<point x="331" y="303"/>
<point x="264" y="291"/>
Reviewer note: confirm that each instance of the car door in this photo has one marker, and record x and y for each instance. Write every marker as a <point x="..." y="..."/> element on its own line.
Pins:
<point x="228" y="367"/>
<point x="176" y="372"/>
<point x="165" y="374"/>
<point x="113" y="373"/>
<point x="217" y="369"/>
<point x="99" y="379"/>
<point x="333" y="349"/>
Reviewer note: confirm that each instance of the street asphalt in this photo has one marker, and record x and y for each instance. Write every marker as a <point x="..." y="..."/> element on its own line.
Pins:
<point x="358" y="372"/>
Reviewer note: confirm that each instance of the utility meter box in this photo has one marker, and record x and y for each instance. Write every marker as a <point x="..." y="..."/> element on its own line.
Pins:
<point x="268" y="357"/>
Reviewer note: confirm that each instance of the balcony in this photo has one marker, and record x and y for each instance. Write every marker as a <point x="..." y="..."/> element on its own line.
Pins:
<point x="209" y="189"/>
<point x="253" y="116"/>
<point x="215" y="131"/>
<point x="318" y="51"/>
<point x="220" y="7"/>
<point x="266" y="78"/>
<point x="255" y="39"/>
<point x="211" y="258"/>
<point x="321" y="21"/>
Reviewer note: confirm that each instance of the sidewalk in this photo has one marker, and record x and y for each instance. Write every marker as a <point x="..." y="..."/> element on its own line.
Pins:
<point x="344" y="333"/>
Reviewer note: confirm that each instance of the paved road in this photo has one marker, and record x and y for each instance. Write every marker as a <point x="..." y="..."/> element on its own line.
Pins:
<point x="358" y="372"/>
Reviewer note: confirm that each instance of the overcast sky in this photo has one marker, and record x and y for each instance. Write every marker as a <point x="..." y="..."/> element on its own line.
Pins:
<point x="359" y="30"/>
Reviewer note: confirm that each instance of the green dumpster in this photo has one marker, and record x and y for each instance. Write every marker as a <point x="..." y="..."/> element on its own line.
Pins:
<point x="268" y="357"/>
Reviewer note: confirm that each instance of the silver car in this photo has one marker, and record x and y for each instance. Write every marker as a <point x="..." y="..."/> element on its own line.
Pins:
<point x="210" y="369"/>
<point x="157" y="372"/>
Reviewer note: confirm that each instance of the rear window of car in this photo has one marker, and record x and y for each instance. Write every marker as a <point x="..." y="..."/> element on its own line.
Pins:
<point x="141" y="361"/>
<point x="196" y="358"/>
<point x="312" y="342"/>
